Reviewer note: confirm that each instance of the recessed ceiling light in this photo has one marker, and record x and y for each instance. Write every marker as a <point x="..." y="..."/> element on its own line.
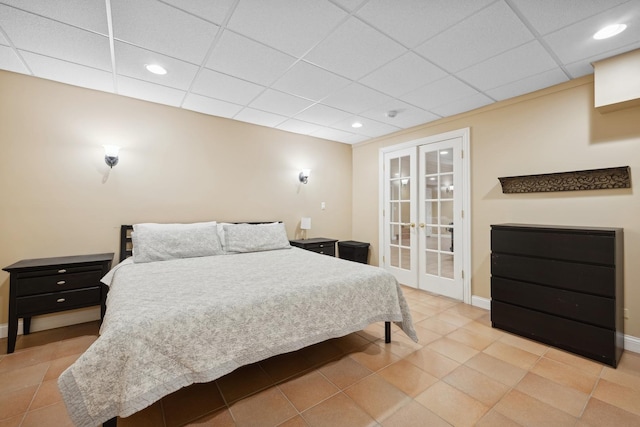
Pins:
<point x="356" y="125"/>
<point x="156" y="69"/>
<point x="609" y="31"/>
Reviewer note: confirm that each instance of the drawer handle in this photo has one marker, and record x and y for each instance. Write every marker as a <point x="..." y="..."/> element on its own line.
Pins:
<point x="322" y="246"/>
<point x="62" y="282"/>
<point x="62" y="271"/>
<point x="60" y="300"/>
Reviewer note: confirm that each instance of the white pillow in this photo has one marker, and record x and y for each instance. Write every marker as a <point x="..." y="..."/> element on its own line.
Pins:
<point x="160" y="242"/>
<point x="255" y="237"/>
<point x="223" y="241"/>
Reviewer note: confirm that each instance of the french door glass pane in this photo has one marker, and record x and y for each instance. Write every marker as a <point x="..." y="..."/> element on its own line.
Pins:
<point x="394" y="168"/>
<point x="438" y="215"/>
<point x="394" y="194"/>
<point x="395" y="256"/>
<point x="400" y="212"/>
<point x="446" y="161"/>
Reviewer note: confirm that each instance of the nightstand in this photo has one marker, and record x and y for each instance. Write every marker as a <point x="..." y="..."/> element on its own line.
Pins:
<point x="320" y="245"/>
<point x="48" y="285"/>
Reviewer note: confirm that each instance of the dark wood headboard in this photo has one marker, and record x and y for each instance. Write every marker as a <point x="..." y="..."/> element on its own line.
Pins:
<point x="126" y="244"/>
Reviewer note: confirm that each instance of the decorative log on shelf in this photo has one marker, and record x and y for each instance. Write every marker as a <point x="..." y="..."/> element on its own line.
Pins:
<point x="593" y="179"/>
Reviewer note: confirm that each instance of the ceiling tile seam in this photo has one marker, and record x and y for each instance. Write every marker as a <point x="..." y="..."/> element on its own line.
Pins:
<point x="351" y="12"/>
<point x="202" y="18"/>
<point x="48" y="18"/>
<point x="538" y="37"/>
<point x="212" y="46"/>
<point x="112" y="49"/>
<point x="16" y="51"/>
<point x="300" y="58"/>
<point x="399" y="97"/>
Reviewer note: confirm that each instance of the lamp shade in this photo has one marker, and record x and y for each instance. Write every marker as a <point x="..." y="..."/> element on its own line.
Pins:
<point x="305" y="223"/>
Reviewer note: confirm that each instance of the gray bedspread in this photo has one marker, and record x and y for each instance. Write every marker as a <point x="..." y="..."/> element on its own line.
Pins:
<point x="173" y="323"/>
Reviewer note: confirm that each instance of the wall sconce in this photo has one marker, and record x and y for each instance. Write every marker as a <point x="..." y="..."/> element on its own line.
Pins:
<point x="304" y="175"/>
<point x="111" y="155"/>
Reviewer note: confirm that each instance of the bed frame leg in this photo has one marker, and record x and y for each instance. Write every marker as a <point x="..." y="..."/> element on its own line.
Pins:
<point x="113" y="422"/>
<point x="387" y="332"/>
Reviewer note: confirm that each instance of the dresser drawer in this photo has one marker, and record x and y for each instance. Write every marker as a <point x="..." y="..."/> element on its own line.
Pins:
<point x="586" y="340"/>
<point x="596" y="310"/>
<point x="57" y="282"/>
<point x="586" y="248"/>
<point x="323" y="248"/>
<point x="58" y="301"/>
<point x="586" y="278"/>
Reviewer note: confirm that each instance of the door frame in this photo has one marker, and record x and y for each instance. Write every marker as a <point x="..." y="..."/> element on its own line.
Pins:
<point x="463" y="133"/>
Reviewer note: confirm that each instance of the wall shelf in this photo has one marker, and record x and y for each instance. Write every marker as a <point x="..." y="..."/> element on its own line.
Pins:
<point x="593" y="179"/>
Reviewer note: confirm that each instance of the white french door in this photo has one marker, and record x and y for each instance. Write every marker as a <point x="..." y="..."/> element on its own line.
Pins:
<point x="400" y="215"/>
<point x="439" y="205"/>
<point x="423" y="232"/>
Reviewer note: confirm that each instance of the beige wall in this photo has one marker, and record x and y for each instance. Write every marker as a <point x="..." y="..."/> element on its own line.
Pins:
<point x="553" y="130"/>
<point x="58" y="197"/>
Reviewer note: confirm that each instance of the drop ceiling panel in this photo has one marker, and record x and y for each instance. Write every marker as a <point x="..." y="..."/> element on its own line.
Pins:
<point x="226" y="88"/>
<point x="86" y="14"/>
<point x="529" y="84"/>
<point x="130" y="62"/>
<point x="335" y="135"/>
<point x="262" y="118"/>
<point x="311" y="82"/>
<point x="370" y="128"/>
<point x="406" y="115"/>
<point x="462" y="105"/>
<point x="280" y="103"/>
<point x="490" y="32"/>
<point x="356" y="98"/>
<point x="213" y="11"/>
<point x="513" y="65"/>
<point x="40" y="35"/>
<point x="215" y="107"/>
<point x="291" y="26"/>
<point x="438" y="93"/>
<point x="308" y="65"/>
<point x="69" y="73"/>
<point x="550" y="15"/>
<point x="576" y="42"/>
<point x="163" y="29"/>
<point x="241" y="57"/>
<point x="354" y="50"/>
<point x="413" y="22"/>
<point x="149" y="91"/>
<point x="403" y="75"/>
<point x="10" y="61"/>
<point x="298" y="126"/>
<point x="322" y="115"/>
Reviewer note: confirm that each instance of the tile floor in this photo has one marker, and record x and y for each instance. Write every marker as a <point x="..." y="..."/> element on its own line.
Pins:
<point x="461" y="373"/>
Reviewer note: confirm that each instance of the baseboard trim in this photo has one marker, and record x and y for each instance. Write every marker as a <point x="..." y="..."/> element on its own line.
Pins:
<point x="52" y="321"/>
<point x="631" y="343"/>
<point x="481" y="302"/>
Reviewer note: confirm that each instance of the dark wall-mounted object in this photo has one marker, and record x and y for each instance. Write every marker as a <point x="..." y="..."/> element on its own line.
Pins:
<point x="593" y="179"/>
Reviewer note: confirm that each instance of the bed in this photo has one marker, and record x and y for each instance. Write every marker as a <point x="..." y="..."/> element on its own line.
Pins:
<point x="194" y="302"/>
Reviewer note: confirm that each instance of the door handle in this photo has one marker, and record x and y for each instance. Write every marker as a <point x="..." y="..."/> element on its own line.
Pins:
<point x="422" y="224"/>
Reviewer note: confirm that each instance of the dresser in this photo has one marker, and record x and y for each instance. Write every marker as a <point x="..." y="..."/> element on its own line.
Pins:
<point x="320" y="245"/>
<point x="49" y="285"/>
<point x="562" y="286"/>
